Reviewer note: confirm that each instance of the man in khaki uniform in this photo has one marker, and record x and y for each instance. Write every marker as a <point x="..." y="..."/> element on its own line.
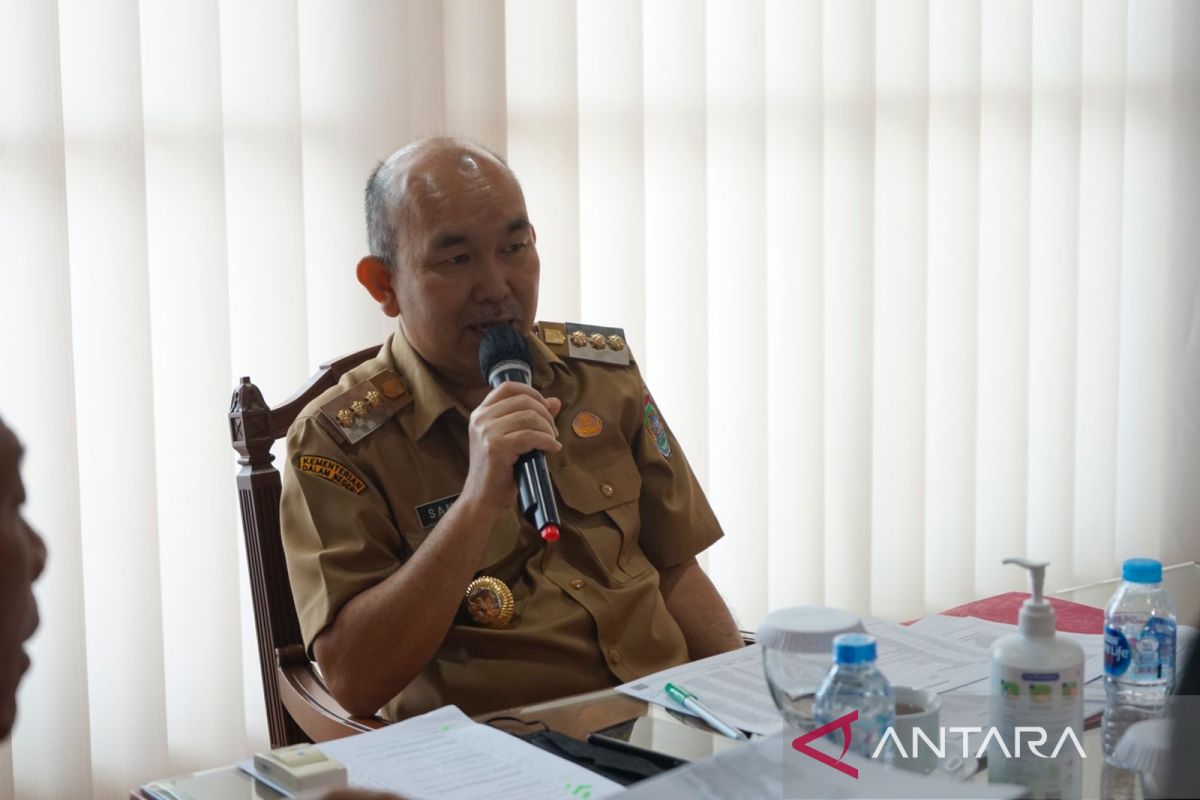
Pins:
<point x="417" y="581"/>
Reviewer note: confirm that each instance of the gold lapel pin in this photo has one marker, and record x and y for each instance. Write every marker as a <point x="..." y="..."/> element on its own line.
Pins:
<point x="490" y="602"/>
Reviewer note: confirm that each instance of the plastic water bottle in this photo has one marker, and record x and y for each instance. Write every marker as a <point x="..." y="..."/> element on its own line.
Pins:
<point x="854" y="683"/>
<point x="1139" y="663"/>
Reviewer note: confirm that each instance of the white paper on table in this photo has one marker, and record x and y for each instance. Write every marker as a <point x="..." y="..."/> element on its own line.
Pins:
<point x="443" y="754"/>
<point x="983" y="633"/>
<point x="907" y="656"/>
<point x="756" y="770"/>
<point x="732" y="685"/>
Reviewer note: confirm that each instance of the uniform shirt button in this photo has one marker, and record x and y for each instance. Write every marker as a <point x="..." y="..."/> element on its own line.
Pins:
<point x="614" y="655"/>
<point x="606" y="489"/>
<point x="577" y="584"/>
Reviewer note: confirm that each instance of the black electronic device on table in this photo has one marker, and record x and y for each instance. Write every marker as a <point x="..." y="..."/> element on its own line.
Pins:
<point x="662" y="740"/>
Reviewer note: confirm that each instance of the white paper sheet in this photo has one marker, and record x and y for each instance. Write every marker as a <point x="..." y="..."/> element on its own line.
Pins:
<point x="764" y="769"/>
<point x="983" y="633"/>
<point x="731" y="685"/>
<point x="443" y="754"/>
<point x="911" y="657"/>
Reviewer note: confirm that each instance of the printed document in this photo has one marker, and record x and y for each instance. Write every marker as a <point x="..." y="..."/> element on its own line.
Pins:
<point x="983" y="633"/>
<point x="443" y="754"/>
<point x="734" y="687"/>
<point x="909" y="657"/>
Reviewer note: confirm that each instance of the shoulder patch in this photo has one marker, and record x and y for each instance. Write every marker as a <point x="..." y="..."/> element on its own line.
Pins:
<point x="586" y="342"/>
<point x="332" y="471"/>
<point x="652" y="422"/>
<point x="358" y="412"/>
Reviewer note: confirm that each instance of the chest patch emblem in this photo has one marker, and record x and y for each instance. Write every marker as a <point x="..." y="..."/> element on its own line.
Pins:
<point x="333" y="472"/>
<point x="652" y="422"/>
<point x="429" y="513"/>
<point x="586" y="425"/>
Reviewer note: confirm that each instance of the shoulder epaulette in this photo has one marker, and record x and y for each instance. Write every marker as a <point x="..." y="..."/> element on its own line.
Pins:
<point x="359" y="411"/>
<point x="586" y="342"/>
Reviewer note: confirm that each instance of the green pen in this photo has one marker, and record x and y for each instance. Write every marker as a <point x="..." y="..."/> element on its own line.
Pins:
<point x="692" y="703"/>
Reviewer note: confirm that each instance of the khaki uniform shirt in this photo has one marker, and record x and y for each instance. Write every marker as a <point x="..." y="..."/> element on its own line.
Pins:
<point x="588" y="610"/>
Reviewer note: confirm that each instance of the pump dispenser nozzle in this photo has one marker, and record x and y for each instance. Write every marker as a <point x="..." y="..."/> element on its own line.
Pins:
<point x="1037" y="615"/>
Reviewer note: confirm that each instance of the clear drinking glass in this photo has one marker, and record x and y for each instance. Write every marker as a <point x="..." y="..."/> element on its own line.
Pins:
<point x="796" y="645"/>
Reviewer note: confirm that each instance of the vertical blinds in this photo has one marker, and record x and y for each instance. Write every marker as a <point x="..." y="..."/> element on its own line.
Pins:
<point x="914" y="282"/>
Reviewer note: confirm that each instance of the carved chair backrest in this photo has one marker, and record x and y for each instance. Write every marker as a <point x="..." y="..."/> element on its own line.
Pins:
<point x="254" y="428"/>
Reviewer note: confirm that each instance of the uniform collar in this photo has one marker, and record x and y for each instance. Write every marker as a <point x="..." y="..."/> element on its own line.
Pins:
<point x="430" y="398"/>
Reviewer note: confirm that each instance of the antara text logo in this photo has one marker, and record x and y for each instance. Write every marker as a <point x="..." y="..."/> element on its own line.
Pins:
<point x="1025" y="740"/>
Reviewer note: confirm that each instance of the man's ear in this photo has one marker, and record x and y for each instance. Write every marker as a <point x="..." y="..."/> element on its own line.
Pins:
<point x="533" y="232"/>
<point x="376" y="277"/>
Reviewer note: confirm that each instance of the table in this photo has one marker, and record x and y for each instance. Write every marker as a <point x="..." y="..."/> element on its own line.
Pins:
<point x="577" y="716"/>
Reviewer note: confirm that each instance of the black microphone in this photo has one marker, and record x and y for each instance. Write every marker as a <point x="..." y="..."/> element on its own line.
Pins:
<point x="504" y="356"/>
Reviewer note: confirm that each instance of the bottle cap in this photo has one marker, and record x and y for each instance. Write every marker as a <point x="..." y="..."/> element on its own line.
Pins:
<point x="854" y="648"/>
<point x="806" y="629"/>
<point x="1142" y="570"/>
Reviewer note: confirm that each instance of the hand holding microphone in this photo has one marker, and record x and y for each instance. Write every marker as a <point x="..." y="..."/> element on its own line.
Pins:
<point x="510" y="431"/>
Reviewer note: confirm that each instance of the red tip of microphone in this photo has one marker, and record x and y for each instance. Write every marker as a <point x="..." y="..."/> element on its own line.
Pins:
<point x="550" y="532"/>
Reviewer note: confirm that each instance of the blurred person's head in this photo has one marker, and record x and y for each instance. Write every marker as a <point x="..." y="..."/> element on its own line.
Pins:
<point x="22" y="556"/>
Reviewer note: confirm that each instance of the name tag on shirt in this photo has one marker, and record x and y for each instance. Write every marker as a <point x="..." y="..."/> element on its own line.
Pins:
<point x="429" y="514"/>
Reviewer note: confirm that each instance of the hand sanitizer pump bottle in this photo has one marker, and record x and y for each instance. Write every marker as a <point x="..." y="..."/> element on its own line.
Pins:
<point x="1036" y="694"/>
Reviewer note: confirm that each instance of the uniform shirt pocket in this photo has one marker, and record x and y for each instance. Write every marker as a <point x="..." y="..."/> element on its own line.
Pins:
<point x="600" y="500"/>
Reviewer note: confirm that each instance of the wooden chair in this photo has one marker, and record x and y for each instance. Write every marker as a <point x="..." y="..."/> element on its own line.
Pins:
<point x="299" y="707"/>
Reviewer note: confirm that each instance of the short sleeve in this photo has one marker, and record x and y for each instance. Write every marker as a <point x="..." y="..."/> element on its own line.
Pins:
<point x="337" y="530"/>
<point x="677" y="521"/>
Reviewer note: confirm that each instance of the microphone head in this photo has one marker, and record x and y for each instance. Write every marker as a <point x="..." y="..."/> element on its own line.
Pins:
<point x="501" y="343"/>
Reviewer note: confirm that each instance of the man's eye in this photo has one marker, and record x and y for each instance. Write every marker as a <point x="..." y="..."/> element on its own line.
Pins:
<point x="515" y="247"/>
<point x="461" y="258"/>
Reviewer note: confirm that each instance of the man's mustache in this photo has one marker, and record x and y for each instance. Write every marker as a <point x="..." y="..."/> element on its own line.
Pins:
<point x="494" y="315"/>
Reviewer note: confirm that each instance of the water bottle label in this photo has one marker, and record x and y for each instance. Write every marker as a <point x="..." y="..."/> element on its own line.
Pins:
<point x="1154" y="653"/>
<point x="1117" y="652"/>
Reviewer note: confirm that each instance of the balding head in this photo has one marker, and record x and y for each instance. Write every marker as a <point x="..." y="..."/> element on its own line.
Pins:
<point x="453" y="251"/>
<point x="415" y="177"/>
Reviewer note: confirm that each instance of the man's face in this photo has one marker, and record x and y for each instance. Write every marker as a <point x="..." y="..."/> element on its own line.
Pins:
<point x="468" y="261"/>
<point x="22" y="556"/>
